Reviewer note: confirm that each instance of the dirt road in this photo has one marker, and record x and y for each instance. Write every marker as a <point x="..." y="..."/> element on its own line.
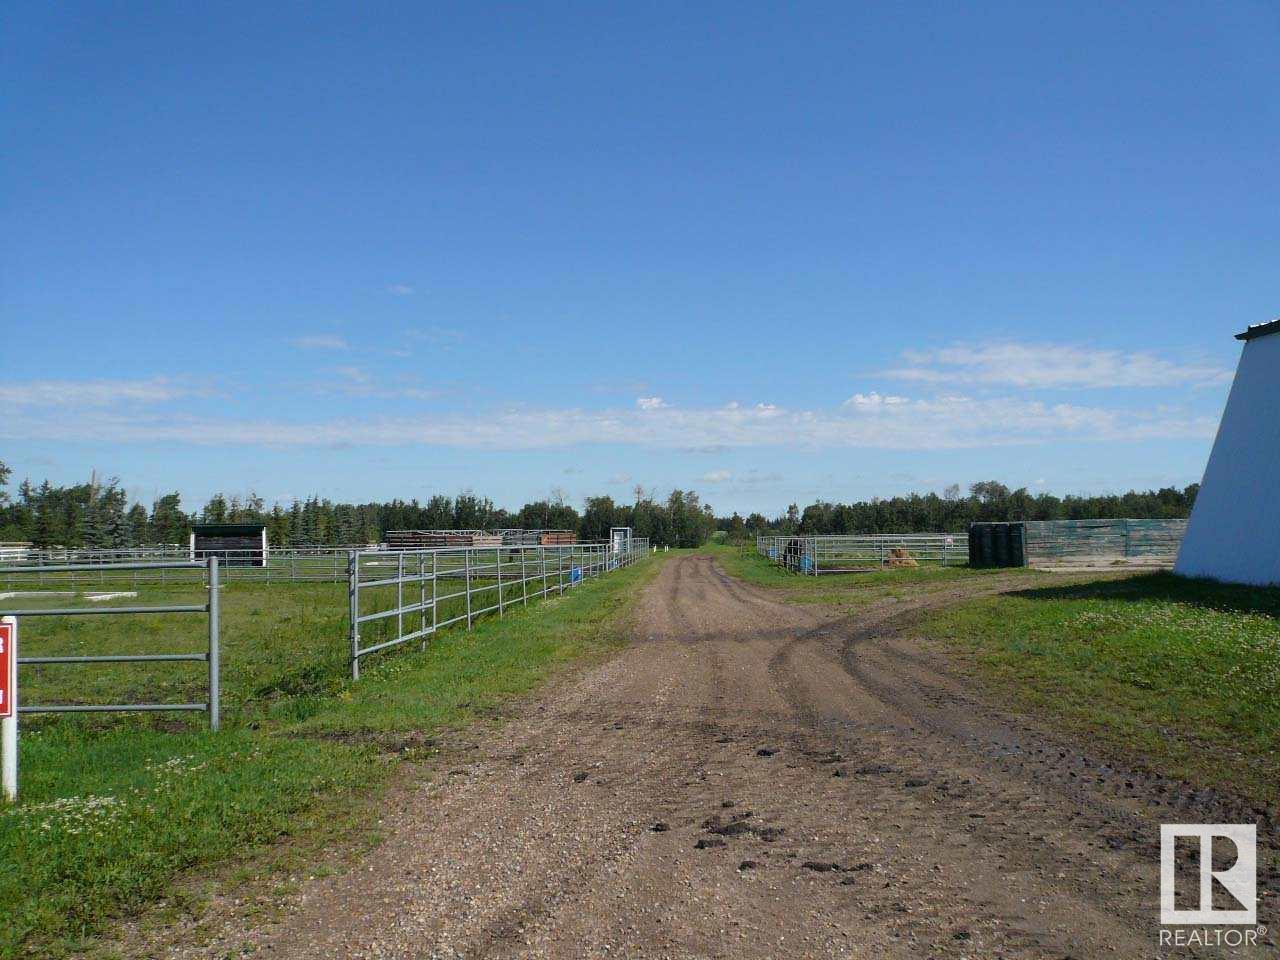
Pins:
<point x="753" y="779"/>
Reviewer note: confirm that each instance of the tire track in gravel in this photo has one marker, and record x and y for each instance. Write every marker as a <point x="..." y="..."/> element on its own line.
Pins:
<point x="1107" y="801"/>
<point x="897" y="731"/>
<point x="1123" y="805"/>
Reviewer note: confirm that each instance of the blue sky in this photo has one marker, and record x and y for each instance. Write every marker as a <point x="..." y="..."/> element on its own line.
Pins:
<point x="772" y="254"/>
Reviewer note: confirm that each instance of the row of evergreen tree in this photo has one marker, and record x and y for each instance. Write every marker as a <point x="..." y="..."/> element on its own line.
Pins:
<point x="98" y="515"/>
<point x="953" y="512"/>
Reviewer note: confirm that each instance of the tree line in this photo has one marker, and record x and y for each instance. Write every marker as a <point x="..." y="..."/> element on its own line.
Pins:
<point x="952" y="512"/>
<point x="98" y="515"/>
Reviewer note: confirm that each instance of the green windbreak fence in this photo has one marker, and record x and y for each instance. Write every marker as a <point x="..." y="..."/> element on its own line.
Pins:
<point x="1052" y="542"/>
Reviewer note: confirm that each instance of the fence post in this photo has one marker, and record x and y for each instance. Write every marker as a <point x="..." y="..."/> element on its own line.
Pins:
<point x="9" y="725"/>
<point x="215" y="690"/>
<point x="353" y="605"/>
<point x="422" y="598"/>
<point x="466" y="561"/>
<point x="400" y="594"/>
<point x="524" y="580"/>
<point x="499" y="581"/>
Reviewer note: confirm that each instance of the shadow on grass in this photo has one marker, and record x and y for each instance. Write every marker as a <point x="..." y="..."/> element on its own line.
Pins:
<point x="1209" y="594"/>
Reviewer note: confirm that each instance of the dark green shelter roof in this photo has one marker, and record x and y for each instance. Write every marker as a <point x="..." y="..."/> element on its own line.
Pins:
<point x="228" y="529"/>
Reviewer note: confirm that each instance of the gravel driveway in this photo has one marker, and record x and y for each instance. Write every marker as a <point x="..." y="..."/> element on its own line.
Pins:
<point x="752" y="778"/>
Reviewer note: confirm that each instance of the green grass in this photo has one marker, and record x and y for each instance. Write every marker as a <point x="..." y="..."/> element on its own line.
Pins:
<point x="1180" y="674"/>
<point x="115" y="808"/>
<point x="844" y="589"/>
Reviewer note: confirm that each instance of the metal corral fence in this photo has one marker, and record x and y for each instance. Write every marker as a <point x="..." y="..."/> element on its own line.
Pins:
<point x="205" y="571"/>
<point x="402" y="596"/>
<point x="854" y="553"/>
<point x="1066" y="543"/>
<point x="139" y="565"/>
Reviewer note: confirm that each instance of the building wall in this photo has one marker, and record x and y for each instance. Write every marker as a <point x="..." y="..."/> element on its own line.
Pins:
<point x="1234" y="533"/>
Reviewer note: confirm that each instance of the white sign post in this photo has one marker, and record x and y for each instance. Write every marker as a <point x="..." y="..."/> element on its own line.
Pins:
<point x="9" y="707"/>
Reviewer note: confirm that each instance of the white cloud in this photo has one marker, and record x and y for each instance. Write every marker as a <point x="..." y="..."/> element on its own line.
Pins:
<point x="355" y="381"/>
<point x="321" y="341"/>
<point x="90" y="393"/>
<point x="935" y="424"/>
<point x="650" y="403"/>
<point x="355" y="375"/>
<point x="757" y="478"/>
<point x="619" y="478"/>
<point x="873" y="399"/>
<point x="400" y="290"/>
<point x="716" y="476"/>
<point x="438" y="336"/>
<point x="1052" y="366"/>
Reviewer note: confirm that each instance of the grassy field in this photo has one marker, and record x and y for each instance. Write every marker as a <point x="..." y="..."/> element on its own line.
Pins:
<point x="844" y="589"/>
<point x="115" y="807"/>
<point x="1182" y="675"/>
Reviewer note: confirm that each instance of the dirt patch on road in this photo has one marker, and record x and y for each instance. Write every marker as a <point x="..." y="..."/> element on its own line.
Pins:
<point x="752" y="778"/>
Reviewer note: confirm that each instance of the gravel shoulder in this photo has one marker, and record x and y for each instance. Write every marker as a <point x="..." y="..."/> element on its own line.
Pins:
<point x="752" y="778"/>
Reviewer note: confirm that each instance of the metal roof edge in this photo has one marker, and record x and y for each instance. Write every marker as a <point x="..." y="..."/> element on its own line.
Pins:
<point x="1260" y="330"/>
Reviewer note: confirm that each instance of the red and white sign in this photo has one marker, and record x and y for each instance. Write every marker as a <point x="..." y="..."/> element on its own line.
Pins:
<point x="6" y="668"/>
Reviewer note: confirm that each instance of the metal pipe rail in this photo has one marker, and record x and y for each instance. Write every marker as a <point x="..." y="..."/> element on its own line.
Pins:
<point x="407" y="595"/>
<point x="155" y="565"/>
<point x="208" y="569"/>
<point x="850" y="553"/>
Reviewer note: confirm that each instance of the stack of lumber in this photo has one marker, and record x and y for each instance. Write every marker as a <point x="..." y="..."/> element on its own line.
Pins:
<point x="434" y="539"/>
<point x="425" y="539"/>
<point x="557" y="538"/>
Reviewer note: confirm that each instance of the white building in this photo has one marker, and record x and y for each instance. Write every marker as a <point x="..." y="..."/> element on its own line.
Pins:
<point x="1234" y="533"/>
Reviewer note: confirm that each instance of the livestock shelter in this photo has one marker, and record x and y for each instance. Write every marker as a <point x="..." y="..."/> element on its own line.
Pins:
<point x="234" y="544"/>
<point x="1234" y="533"/>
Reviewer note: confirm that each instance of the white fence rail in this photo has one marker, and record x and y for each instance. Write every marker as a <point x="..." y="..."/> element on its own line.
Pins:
<point x="844" y="554"/>
<point x="401" y="596"/>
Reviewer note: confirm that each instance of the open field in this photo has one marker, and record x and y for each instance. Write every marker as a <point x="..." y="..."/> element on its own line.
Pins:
<point x="1181" y="675"/>
<point x="115" y="807"/>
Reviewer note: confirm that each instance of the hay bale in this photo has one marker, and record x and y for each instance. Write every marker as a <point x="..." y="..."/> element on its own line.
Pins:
<point x="899" y="557"/>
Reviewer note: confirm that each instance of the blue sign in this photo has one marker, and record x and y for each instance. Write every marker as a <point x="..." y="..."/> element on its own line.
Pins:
<point x="806" y="564"/>
<point x="773" y="553"/>
<point x="575" y="574"/>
